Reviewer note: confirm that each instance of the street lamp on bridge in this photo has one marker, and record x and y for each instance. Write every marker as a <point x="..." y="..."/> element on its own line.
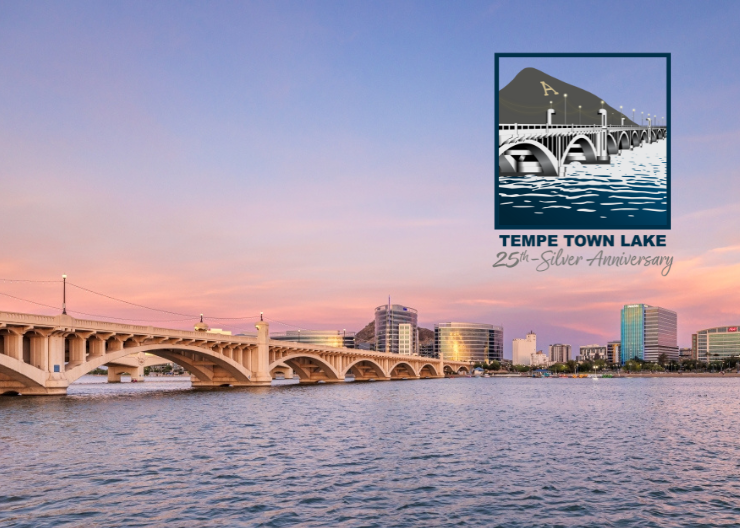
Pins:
<point x="565" y="117"/>
<point x="642" y="118"/>
<point x="579" y="115"/>
<point x="64" y="295"/>
<point x="633" y="115"/>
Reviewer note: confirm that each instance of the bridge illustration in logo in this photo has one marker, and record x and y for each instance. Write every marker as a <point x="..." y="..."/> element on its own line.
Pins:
<point x="546" y="150"/>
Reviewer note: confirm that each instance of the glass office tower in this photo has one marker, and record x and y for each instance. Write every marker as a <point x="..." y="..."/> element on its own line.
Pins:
<point x="469" y="342"/>
<point x="647" y="332"/>
<point x="333" y="338"/>
<point x="718" y="343"/>
<point x="389" y="319"/>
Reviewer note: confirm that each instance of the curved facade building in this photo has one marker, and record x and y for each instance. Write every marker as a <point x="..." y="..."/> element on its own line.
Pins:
<point x="396" y="330"/>
<point x="469" y="342"/>
<point x="717" y="343"/>
<point x="333" y="338"/>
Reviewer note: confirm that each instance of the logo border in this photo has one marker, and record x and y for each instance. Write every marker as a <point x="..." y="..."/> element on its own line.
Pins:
<point x="667" y="56"/>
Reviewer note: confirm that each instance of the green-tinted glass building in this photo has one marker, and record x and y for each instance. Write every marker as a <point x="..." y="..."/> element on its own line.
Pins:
<point x="647" y="332"/>
<point x="718" y="343"/>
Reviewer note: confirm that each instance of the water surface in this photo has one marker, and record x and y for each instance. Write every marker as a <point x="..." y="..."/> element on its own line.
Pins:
<point x="465" y="452"/>
<point x="632" y="190"/>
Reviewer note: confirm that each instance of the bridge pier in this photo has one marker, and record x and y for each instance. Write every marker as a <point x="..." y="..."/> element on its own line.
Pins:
<point x="115" y="373"/>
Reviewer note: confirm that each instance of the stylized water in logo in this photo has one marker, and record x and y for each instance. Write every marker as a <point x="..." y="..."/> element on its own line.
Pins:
<point x="629" y="191"/>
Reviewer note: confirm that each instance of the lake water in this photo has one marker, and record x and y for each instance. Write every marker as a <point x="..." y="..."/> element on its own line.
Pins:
<point x="631" y="191"/>
<point x="465" y="452"/>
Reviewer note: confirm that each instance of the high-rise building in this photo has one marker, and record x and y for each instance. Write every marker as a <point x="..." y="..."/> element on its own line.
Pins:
<point x="523" y="349"/>
<point x="334" y="338"/>
<point x="647" y="332"/>
<point x="469" y="342"/>
<point x="592" y="353"/>
<point x="405" y="339"/>
<point x="718" y="343"/>
<point x="612" y="351"/>
<point x="559" y="353"/>
<point x="389" y="318"/>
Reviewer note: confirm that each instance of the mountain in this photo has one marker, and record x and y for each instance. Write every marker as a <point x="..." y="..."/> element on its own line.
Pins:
<point x="525" y="100"/>
<point x="367" y="335"/>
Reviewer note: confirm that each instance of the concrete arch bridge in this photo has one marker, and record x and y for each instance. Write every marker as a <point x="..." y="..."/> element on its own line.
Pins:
<point x="546" y="150"/>
<point x="45" y="354"/>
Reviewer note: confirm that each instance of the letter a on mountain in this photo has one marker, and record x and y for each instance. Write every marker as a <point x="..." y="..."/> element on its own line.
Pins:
<point x="547" y="88"/>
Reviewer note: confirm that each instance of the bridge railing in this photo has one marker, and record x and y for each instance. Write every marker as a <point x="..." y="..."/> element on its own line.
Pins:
<point x="520" y="126"/>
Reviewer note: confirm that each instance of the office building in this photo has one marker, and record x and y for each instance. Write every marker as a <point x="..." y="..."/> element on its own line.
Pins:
<point x="390" y="321"/>
<point x="334" y="338"/>
<point x="685" y="353"/>
<point x="539" y="359"/>
<point x="469" y="342"/>
<point x="427" y="350"/>
<point x="405" y="339"/>
<point x="523" y="349"/>
<point x="592" y="353"/>
<point x="721" y="342"/>
<point x="647" y="332"/>
<point x="559" y="353"/>
<point x="612" y="351"/>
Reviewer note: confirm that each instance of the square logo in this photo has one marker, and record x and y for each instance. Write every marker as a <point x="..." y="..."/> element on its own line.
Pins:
<point x="584" y="141"/>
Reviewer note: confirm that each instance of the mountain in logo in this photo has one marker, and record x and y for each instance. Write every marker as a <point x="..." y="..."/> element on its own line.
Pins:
<point x="526" y="99"/>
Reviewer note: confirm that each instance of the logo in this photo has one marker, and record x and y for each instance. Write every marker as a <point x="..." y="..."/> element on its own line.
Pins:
<point x="582" y="142"/>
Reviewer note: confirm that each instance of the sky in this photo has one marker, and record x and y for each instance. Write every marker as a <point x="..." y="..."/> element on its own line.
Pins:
<point x="638" y="83"/>
<point x="308" y="159"/>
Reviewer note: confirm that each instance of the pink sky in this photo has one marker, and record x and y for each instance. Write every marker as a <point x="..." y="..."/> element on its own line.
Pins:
<point x="310" y="169"/>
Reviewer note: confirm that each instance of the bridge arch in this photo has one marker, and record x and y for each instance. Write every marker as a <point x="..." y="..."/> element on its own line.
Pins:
<point x="643" y="137"/>
<point x="525" y="157"/>
<point x="365" y="369"/>
<point x="172" y="353"/>
<point x="636" y="139"/>
<point x="624" y="141"/>
<point x="21" y="372"/>
<point x="310" y="368"/>
<point x="429" y="370"/>
<point x="580" y="149"/>
<point x="403" y="370"/>
<point x="611" y="144"/>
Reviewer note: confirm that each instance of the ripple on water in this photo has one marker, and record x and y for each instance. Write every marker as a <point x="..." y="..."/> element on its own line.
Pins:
<point x="481" y="452"/>
<point x="636" y="175"/>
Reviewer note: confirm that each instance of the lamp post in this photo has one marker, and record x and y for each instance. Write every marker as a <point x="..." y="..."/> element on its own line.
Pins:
<point x="565" y="117"/>
<point x="633" y="115"/>
<point x="579" y="115"/>
<point x="64" y="294"/>
<point x="642" y="119"/>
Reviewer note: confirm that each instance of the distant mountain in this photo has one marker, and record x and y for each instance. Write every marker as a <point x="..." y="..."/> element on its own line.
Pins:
<point x="525" y="100"/>
<point x="426" y="336"/>
<point x="367" y="335"/>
